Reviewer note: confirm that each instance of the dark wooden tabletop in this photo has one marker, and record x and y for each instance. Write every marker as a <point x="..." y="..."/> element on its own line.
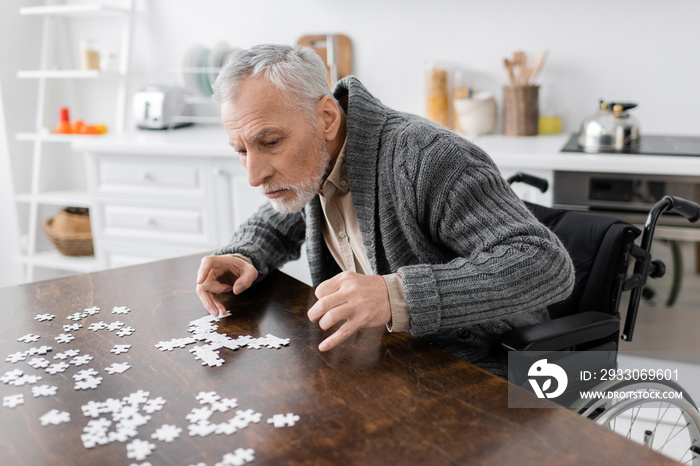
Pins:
<point x="378" y="399"/>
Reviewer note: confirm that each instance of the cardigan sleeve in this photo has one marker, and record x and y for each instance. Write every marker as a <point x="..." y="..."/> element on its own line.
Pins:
<point x="507" y="266"/>
<point x="269" y="239"/>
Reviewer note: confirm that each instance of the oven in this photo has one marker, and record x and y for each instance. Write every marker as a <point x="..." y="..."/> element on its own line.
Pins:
<point x="629" y="197"/>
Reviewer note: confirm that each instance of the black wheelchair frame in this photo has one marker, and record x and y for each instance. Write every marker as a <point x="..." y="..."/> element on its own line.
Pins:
<point x="601" y="248"/>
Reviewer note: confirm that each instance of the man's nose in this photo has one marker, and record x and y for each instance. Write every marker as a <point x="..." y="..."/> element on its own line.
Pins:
<point x="258" y="170"/>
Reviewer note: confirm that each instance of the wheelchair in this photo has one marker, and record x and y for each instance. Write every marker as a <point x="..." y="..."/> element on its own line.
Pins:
<point x="603" y="250"/>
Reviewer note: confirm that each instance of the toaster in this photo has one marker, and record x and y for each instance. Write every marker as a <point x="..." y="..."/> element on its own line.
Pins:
<point x="156" y="106"/>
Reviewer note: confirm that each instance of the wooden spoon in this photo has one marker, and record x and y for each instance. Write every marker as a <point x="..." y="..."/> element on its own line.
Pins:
<point x="509" y="68"/>
<point x="538" y="63"/>
<point x="520" y="60"/>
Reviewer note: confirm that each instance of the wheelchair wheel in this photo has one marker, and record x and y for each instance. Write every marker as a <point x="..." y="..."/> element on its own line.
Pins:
<point x="670" y="426"/>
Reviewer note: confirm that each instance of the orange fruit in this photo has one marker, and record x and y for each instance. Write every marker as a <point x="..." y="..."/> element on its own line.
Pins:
<point x="89" y="129"/>
<point x="77" y="126"/>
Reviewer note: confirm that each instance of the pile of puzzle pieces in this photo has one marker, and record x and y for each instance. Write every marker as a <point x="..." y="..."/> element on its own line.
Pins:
<point x="204" y="329"/>
<point x="118" y="420"/>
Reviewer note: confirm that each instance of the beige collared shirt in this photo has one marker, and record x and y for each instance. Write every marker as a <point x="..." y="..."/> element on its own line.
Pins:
<point x="341" y="232"/>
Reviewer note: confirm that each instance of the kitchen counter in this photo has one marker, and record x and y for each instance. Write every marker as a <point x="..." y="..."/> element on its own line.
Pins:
<point x="210" y="141"/>
<point x="522" y="153"/>
<point x="543" y="153"/>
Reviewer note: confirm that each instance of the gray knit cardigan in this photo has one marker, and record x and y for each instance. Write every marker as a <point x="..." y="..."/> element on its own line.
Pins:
<point x="433" y="208"/>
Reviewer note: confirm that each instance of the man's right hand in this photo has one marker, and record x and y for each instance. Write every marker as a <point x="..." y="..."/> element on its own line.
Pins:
<point x="221" y="274"/>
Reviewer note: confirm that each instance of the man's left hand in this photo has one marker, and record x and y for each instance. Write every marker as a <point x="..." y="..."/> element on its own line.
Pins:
<point x="361" y="300"/>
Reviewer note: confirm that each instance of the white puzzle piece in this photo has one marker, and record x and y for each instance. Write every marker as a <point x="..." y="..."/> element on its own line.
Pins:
<point x="139" y="449"/>
<point x="119" y="349"/>
<point x="54" y="417"/>
<point x="117" y="368"/>
<point x="44" y="390"/>
<point x="283" y="420"/>
<point x="88" y="383"/>
<point x="65" y="338"/>
<point x="85" y="374"/>
<point x="167" y="433"/>
<point x="54" y="369"/>
<point x="91" y="311"/>
<point x="44" y="317"/>
<point x="11" y="376"/>
<point x="11" y="401"/>
<point x="81" y="360"/>
<point x="239" y="457"/>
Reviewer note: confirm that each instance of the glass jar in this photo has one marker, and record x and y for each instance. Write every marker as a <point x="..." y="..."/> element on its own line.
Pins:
<point x="437" y="94"/>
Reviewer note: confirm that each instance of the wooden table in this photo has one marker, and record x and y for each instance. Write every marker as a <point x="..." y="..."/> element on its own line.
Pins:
<point x="378" y="399"/>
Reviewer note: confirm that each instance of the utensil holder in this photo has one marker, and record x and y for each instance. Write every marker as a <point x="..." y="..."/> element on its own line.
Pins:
<point x="520" y="110"/>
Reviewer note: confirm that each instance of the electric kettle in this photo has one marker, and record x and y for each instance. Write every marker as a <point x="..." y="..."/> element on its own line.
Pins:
<point x="611" y="129"/>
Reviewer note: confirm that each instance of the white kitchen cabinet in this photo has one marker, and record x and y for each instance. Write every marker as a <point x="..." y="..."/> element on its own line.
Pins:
<point x="147" y="207"/>
<point x="157" y="195"/>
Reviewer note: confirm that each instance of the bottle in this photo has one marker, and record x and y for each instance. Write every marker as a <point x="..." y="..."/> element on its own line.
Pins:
<point x="63" y="126"/>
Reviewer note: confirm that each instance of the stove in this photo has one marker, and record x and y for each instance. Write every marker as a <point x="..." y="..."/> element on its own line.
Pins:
<point x="630" y="196"/>
<point x="649" y="144"/>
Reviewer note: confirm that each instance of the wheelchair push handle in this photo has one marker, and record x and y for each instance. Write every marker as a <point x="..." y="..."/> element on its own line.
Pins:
<point x="535" y="181"/>
<point x="678" y="205"/>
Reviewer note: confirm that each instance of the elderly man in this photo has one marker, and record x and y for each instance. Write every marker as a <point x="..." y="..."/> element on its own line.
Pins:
<point x="406" y="224"/>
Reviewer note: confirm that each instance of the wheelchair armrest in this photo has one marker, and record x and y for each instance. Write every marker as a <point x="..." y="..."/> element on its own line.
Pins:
<point x="557" y="334"/>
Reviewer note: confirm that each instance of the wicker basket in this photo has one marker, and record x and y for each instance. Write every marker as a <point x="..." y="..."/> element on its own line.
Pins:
<point x="70" y="231"/>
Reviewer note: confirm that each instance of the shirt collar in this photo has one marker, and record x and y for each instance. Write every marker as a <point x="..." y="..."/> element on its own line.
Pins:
<point x="338" y="177"/>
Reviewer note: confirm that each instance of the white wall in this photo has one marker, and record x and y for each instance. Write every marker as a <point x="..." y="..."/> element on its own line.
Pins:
<point x="638" y="50"/>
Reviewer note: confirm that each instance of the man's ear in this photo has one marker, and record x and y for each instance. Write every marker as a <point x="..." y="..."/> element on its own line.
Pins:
<point x="330" y="117"/>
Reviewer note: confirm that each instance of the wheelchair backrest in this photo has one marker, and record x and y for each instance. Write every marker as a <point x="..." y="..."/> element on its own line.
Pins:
<point x="599" y="247"/>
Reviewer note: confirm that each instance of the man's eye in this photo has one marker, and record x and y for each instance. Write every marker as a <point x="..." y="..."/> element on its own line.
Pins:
<point x="241" y="152"/>
<point x="271" y="143"/>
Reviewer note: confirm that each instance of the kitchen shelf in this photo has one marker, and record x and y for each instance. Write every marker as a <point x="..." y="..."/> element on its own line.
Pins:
<point x="55" y="260"/>
<point x="58" y="198"/>
<point x="59" y="74"/>
<point x="53" y="22"/>
<point x="52" y="137"/>
<point x="72" y="10"/>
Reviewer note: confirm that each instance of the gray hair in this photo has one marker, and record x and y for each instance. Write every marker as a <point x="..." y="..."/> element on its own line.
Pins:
<point x="298" y="71"/>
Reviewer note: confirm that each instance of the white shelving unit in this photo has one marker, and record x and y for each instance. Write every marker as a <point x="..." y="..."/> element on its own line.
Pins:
<point x="44" y="143"/>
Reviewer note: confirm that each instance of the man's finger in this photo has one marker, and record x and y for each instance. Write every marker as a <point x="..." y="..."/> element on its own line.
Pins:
<point x="324" y="305"/>
<point x="245" y="280"/>
<point x="206" y="298"/>
<point x="214" y="286"/>
<point x="339" y="336"/>
<point x="335" y="315"/>
<point x="219" y="307"/>
<point x="205" y="267"/>
<point x="329" y="286"/>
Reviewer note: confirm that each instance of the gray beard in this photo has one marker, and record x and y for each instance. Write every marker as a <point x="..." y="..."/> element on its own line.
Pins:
<point x="303" y="192"/>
